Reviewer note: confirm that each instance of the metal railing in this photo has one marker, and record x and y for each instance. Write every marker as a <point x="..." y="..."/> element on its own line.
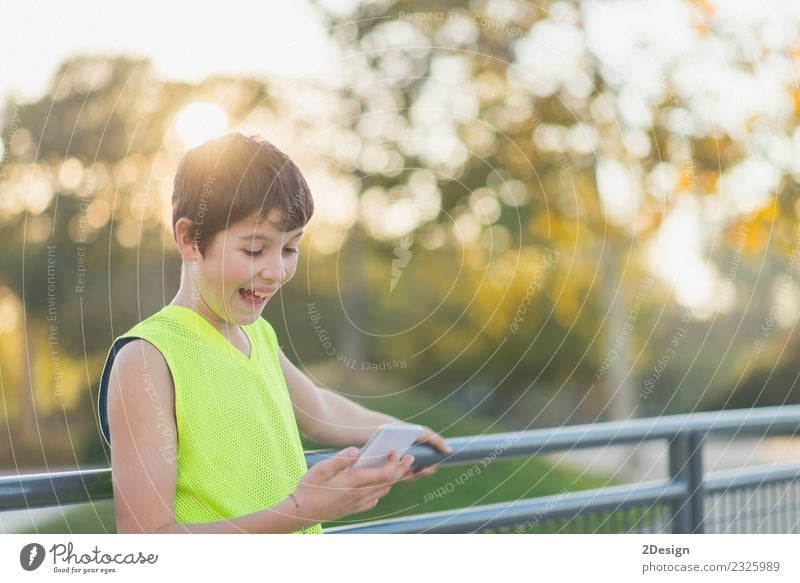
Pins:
<point x="753" y="499"/>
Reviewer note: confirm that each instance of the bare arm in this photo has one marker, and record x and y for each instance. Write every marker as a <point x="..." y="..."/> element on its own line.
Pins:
<point x="278" y="519"/>
<point x="329" y="418"/>
<point x="325" y="416"/>
<point x="141" y="407"/>
<point x="345" y="422"/>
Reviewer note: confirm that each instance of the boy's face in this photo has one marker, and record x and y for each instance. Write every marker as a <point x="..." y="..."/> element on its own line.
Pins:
<point x="243" y="267"/>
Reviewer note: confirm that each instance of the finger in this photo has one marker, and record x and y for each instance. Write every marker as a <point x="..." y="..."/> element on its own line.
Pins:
<point x="378" y="462"/>
<point x="363" y="478"/>
<point x="389" y="467"/>
<point x="379" y="492"/>
<point x="426" y="471"/>
<point x="396" y="470"/>
<point x="343" y="459"/>
<point x="421" y="472"/>
<point x="409" y="475"/>
<point x="366" y="505"/>
<point x="437" y="441"/>
<point x="368" y="477"/>
<point x="374" y="493"/>
<point x="401" y="470"/>
<point x="405" y="466"/>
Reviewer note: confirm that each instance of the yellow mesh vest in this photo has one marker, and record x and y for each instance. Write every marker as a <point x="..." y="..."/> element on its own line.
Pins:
<point x="239" y="449"/>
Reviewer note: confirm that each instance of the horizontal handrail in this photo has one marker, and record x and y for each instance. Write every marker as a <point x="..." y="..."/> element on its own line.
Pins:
<point x="763" y="421"/>
<point x="76" y="486"/>
<point x="41" y="490"/>
<point x="569" y="504"/>
<point x="750" y="477"/>
<point x="520" y="511"/>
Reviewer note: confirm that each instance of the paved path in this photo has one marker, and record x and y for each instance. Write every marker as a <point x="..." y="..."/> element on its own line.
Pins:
<point x="15" y="521"/>
<point x="649" y="461"/>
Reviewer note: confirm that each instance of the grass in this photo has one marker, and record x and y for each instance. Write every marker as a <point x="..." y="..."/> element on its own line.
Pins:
<point x="96" y="518"/>
<point x="474" y="484"/>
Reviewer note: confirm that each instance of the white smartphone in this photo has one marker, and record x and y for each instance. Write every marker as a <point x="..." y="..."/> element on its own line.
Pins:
<point x="386" y="439"/>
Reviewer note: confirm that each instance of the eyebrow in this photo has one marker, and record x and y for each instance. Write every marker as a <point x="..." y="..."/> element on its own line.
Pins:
<point x="265" y="238"/>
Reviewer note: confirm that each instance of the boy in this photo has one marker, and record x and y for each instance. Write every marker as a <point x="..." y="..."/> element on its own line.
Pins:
<point x="198" y="403"/>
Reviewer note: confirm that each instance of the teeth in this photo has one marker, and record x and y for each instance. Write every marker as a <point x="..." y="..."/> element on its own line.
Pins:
<point x="257" y="293"/>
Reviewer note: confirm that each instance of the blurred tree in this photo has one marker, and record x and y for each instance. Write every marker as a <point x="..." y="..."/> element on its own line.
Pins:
<point x="536" y="135"/>
<point x="495" y="186"/>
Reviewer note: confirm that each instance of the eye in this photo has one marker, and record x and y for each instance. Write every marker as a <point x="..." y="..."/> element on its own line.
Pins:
<point x="251" y="253"/>
<point x="289" y="250"/>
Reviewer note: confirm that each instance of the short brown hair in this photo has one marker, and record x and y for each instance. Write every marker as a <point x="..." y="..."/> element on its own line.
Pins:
<point x="227" y="179"/>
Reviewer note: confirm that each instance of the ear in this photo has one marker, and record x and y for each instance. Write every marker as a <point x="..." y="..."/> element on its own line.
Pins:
<point x="185" y="239"/>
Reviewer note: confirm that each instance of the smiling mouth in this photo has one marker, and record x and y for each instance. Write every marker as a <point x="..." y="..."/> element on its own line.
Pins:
<point x="253" y="298"/>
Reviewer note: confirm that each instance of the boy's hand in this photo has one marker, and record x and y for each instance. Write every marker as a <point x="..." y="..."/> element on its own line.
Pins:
<point x="328" y="492"/>
<point x="428" y="437"/>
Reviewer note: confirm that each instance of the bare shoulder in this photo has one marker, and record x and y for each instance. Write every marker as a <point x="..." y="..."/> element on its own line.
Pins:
<point x="140" y="386"/>
<point x="141" y="416"/>
<point x="139" y="361"/>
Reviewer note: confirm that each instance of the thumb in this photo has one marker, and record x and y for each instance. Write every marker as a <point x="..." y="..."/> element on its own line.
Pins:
<point x="342" y="460"/>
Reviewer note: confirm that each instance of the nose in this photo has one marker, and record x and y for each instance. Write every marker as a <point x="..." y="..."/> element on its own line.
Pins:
<point x="273" y="271"/>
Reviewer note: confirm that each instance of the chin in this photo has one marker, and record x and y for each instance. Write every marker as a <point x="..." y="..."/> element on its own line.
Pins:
<point x="251" y="317"/>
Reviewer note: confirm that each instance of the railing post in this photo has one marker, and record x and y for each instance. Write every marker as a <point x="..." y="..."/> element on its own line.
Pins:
<point x="686" y="466"/>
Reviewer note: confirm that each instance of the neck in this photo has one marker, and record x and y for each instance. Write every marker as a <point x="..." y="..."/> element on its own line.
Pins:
<point x="188" y="296"/>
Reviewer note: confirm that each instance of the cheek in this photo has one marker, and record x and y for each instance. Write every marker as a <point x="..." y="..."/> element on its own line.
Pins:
<point x="290" y="266"/>
<point x="226" y="276"/>
<point x="240" y="269"/>
<point x="242" y="275"/>
<point x="210" y="275"/>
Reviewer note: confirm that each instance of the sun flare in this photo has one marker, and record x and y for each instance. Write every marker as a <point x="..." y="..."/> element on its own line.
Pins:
<point x="199" y="122"/>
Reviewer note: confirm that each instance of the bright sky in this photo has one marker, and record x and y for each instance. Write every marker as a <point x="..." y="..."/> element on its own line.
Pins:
<point x="186" y="40"/>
